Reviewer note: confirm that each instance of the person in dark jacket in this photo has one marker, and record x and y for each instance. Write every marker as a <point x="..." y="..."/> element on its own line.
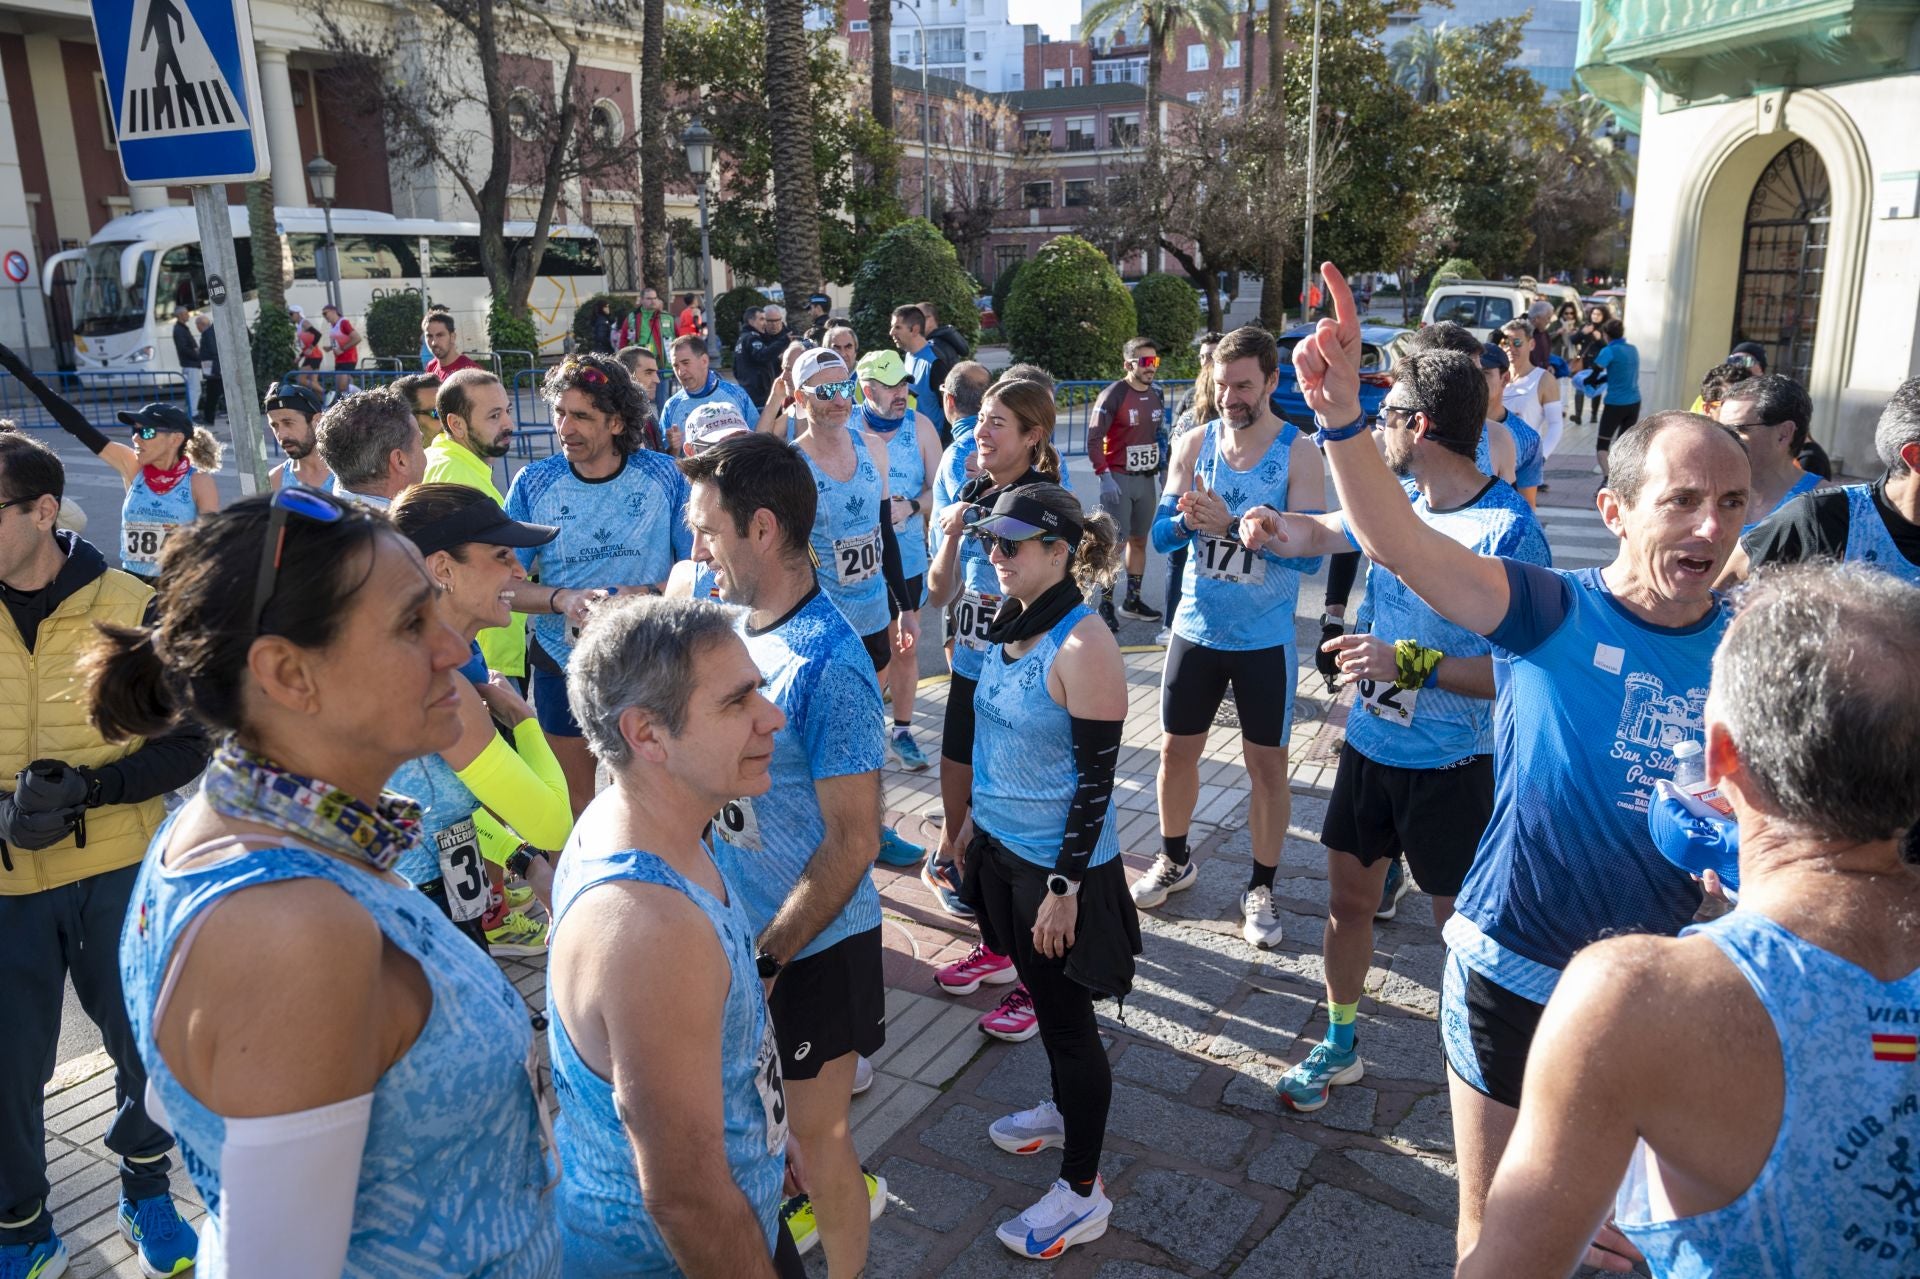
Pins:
<point x="601" y="326"/>
<point x="212" y="395"/>
<point x="187" y="351"/>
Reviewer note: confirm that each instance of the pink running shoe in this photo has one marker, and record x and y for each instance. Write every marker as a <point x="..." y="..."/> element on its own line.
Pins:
<point x="980" y="966"/>
<point x="1013" y="1020"/>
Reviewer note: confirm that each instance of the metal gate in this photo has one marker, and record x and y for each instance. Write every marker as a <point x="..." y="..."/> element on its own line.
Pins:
<point x="1783" y="260"/>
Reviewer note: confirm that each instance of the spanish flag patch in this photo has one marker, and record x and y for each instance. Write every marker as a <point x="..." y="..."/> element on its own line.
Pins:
<point x="1896" y="1048"/>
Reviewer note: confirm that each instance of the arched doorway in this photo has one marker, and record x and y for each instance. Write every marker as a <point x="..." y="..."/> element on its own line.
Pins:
<point x="1783" y="260"/>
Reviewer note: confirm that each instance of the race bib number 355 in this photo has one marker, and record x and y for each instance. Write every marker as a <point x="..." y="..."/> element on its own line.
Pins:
<point x="855" y="559"/>
<point x="1226" y="560"/>
<point x="1142" y="458"/>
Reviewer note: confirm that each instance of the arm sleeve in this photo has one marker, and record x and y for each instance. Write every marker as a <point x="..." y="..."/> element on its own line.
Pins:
<point x="1096" y="752"/>
<point x="1539" y="600"/>
<point x="1097" y="422"/>
<point x="523" y="785"/>
<point x="1170" y="533"/>
<point x="892" y="567"/>
<point x="159" y="765"/>
<point x="67" y="417"/>
<point x="288" y="1188"/>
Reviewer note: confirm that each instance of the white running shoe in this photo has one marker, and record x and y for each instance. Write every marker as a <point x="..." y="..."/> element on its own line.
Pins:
<point x="1261" y="927"/>
<point x="1161" y="879"/>
<point x="862" y="1075"/>
<point x="1028" y="1132"/>
<point x="1059" y="1221"/>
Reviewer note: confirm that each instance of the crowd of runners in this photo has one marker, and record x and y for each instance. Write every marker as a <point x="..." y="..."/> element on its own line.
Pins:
<point x="287" y="780"/>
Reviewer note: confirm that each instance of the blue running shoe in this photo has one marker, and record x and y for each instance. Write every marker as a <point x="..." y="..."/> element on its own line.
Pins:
<point x="1306" y="1087"/>
<point x="44" y="1260"/>
<point x="909" y="753"/>
<point x="163" y="1242"/>
<point x="895" y="851"/>
<point x="1060" y="1220"/>
<point x="940" y="880"/>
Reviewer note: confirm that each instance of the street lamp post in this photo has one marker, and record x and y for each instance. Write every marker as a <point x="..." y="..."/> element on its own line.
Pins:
<point x="699" y="147"/>
<point x="1313" y="129"/>
<point x="926" y="124"/>
<point x="320" y="175"/>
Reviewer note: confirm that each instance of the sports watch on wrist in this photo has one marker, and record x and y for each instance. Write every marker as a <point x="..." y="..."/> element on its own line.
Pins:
<point x="1060" y="886"/>
<point x="768" y="966"/>
<point x="521" y="858"/>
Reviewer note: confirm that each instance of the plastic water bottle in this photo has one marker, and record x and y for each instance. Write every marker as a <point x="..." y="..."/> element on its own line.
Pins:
<point x="1689" y="765"/>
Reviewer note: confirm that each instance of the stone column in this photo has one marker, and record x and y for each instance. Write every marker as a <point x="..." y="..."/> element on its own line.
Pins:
<point x="283" y="133"/>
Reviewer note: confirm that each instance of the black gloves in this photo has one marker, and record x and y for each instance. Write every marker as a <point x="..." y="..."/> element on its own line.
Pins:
<point x="31" y="831"/>
<point x="1323" y="661"/>
<point x="48" y="804"/>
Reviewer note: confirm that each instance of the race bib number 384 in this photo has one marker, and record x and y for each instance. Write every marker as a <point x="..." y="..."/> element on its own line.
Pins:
<point x="140" y="542"/>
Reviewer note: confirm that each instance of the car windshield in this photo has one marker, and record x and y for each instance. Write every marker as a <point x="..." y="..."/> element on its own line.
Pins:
<point x="1373" y="359"/>
<point x="101" y="304"/>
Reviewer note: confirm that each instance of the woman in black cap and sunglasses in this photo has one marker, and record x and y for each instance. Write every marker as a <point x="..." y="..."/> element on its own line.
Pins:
<point x="168" y="469"/>
<point x="1043" y="871"/>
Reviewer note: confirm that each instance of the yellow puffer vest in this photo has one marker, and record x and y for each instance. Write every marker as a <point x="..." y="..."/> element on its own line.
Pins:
<point x="43" y="715"/>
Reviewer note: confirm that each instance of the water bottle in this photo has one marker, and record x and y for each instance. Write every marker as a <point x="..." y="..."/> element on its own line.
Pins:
<point x="1689" y="765"/>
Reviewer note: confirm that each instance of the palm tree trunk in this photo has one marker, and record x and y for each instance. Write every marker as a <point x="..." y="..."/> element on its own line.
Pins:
<point x="1246" y="61"/>
<point x="1273" y="299"/>
<point x="267" y="254"/>
<point x="654" y="154"/>
<point x="796" y="196"/>
<point x="1150" y="118"/>
<point x="880" y="38"/>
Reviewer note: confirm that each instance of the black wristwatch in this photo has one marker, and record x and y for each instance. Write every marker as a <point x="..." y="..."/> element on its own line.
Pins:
<point x="521" y="858"/>
<point x="768" y="966"/>
<point x="1060" y="886"/>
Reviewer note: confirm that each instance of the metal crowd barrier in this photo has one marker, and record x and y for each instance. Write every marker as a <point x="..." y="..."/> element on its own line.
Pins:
<point x="98" y="395"/>
<point x="532" y="416"/>
<point x="1073" y="408"/>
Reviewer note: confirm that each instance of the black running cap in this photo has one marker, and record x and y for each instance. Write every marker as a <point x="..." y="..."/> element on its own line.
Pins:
<point x="486" y="524"/>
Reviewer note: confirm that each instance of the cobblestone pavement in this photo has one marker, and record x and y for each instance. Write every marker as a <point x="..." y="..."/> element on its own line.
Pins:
<point x="1208" y="1173"/>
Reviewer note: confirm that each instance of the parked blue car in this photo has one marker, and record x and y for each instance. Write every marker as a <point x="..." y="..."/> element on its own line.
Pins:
<point x="1381" y="348"/>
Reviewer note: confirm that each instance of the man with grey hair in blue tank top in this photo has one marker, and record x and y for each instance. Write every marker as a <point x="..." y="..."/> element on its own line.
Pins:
<point x="1742" y="1097"/>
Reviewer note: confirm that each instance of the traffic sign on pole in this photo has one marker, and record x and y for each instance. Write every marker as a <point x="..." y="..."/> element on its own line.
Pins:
<point x="184" y="88"/>
<point x="17" y="266"/>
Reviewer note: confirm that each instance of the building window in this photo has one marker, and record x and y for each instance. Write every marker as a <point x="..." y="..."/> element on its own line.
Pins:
<point x="1123" y="130"/>
<point x="1058" y="79"/>
<point x="1078" y="73"/>
<point x="1230" y="99"/>
<point x="1232" y="59"/>
<point x="1036" y="195"/>
<point x="903" y="52"/>
<point x="1080" y="135"/>
<point x="1079" y="192"/>
<point x="1783" y="260"/>
<point x="1197" y="57"/>
<point x="523" y="114"/>
<point x="977" y="8"/>
<point x="1016" y="81"/>
<point x="606" y="125"/>
<point x="1037" y="137"/>
<point x="858" y="24"/>
<point x="1196" y="96"/>
<point x="616" y="248"/>
<point x="1005" y="258"/>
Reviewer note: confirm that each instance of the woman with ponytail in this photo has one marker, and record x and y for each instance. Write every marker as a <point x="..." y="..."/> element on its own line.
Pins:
<point x="167" y="470"/>
<point x="349" y="1076"/>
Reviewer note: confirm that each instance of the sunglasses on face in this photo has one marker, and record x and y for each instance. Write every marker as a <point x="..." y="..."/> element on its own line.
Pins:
<point x="1148" y="361"/>
<point x="1407" y="413"/>
<point x="1009" y="547"/>
<point x="428" y="413"/>
<point x="295" y="501"/>
<point x="831" y="390"/>
<point x="145" y="432"/>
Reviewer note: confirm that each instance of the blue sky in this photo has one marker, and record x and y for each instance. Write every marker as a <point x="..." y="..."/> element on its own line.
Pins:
<point x="1056" y="17"/>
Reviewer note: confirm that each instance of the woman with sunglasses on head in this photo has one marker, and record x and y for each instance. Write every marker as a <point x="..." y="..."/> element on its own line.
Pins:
<point x="1533" y="392"/>
<point x="1012" y="447"/>
<point x="351" y="1081"/>
<point x="487" y="798"/>
<point x="167" y="470"/>
<point x="1042" y="870"/>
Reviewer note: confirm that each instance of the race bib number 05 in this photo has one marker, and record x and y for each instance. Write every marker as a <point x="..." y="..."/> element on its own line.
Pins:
<point x="1388" y="701"/>
<point x="141" y="543"/>
<point x="460" y="873"/>
<point x="1226" y="560"/>
<point x="855" y="559"/>
<point x="971" y="617"/>
<point x="773" y="1090"/>
<point x="1142" y="458"/>
<point x="738" y="825"/>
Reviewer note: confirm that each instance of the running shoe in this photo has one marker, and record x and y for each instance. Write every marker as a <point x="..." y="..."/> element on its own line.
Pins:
<point x="908" y="753"/>
<point x="1028" y="1132"/>
<point x="797" y="1212"/>
<point x="1260" y="926"/>
<point x="980" y="967"/>
<point x="1397" y="885"/>
<point x="1162" y="879"/>
<point x="1106" y="615"/>
<point x="1138" y="609"/>
<point x="1305" y="1087"/>
<point x="517" y="934"/>
<point x="862" y="1075"/>
<point x="44" y="1260"/>
<point x="895" y="851"/>
<point x="162" y="1243"/>
<point x="518" y="896"/>
<point x="1013" y="1020"/>
<point x="941" y="881"/>
<point x="1164" y="636"/>
<point x="1059" y="1221"/>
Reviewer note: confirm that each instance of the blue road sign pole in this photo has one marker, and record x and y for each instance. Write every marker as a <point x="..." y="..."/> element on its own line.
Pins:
<point x="225" y="289"/>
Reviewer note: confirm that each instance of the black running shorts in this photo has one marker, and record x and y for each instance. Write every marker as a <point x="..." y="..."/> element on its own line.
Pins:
<point x="1434" y="815"/>
<point x="830" y="1004"/>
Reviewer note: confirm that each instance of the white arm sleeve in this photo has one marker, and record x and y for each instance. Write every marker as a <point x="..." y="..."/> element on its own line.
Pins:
<point x="1556" y="422"/>
<point x="288" y="1184"/>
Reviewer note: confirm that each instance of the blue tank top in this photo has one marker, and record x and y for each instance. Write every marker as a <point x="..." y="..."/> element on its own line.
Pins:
<point x="1805" y="484"/>
<point x="1431" y="727"/>
<point x="846" y="541"/>
<point x="148" y="518"/>
<point x="1482" y="455"/>
<point x="1233" y="599"/>
<point x="289" y="476"/>
<point x="606" y="1228"/>
<point x="1023" y="773"/>
<point x="821" y="678"/>
<point x="1840" y="1190"/>
<point x="447" y="807"/>
<point x="906" y="478"/>
<point x="1529" y="467"/>
<point x="453" y="1180"/>
<point x="1869" y="542"/>
<point x="1590" y="703"/>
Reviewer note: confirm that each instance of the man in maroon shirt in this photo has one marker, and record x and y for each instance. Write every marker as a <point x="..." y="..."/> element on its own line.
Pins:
<point x="1129" y="458"/>
<point x="448" y="358"/>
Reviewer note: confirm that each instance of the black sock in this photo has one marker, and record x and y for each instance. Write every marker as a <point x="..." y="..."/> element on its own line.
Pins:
<point x="1262" y="876"/>
<point x="1133" y="585"/>
<point x="1175" y="847"/>
<point x="1083" y="1188"/>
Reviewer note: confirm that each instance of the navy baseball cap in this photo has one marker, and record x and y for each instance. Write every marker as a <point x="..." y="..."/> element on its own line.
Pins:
<point x="1493" y="356"/>
<point x="161" y="417"/>
<point x="291" y="395"/>
<point x="820" y="299"/>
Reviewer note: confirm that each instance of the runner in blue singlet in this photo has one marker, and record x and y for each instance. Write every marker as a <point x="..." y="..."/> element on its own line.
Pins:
<point x="293" y="413"/>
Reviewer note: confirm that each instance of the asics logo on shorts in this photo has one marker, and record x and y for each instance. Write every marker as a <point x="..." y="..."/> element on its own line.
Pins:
<point x="800" y="1053"/>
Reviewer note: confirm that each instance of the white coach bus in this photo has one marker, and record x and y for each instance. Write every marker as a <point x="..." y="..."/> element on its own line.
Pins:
<point x="140" y="266"/>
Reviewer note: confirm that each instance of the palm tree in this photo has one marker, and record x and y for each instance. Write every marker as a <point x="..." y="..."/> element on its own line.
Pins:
<point x="1273" y="297"/>
<point x="796" y="196"/>
<point x="653" y="145"/>
<point x="1161" y="20"/>
<point x="1589" y="119"/>
<point x="880" y="38"/>
<point x="1416" y="61"/>
<point x="1246" y="59"/>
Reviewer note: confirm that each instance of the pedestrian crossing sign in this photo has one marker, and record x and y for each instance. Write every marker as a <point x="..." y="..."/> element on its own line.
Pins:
<point x="185" y="93"/>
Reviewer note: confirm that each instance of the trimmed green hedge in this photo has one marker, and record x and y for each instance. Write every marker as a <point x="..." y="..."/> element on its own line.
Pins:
<point x="1068" y="312"/>
<point x="728" y="309"/>
<point x="912" y="263"/>
<point x="509" y="332"/>
<point x="1004" y="286"/>
<point x="1167" y="309"/>
<point x="393" y="325"/>
<point x="583" y="316"/>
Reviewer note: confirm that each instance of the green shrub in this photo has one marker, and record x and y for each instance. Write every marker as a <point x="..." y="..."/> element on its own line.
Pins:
<point x="912" y="263"/>
<point x="507" y="332"/>
<point x="272" y="341"/>
<point x="1068" y="312"/>
<point x="1167" y="309"/>
<point x="1457" y="269"/>
<point x="393" y="325"/>
<point x="583" y="317"/>
<point x="728" y="309"/>
<point x="1004" y="285"/>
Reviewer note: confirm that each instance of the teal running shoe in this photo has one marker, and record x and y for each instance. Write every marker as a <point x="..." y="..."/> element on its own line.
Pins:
<point x="1306" y="1086"/>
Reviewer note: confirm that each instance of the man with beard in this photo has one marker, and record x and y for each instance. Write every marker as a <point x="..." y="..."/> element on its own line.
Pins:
<point x="476" y="426"/>
<point x="291" y="410"/>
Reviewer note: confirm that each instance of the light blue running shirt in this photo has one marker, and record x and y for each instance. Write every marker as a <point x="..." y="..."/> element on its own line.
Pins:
<point x="1431" y="727"/>
<point x="1805" y="484"/>
<point x="820" y="677"/>
<point x="148" y="518"/>
<point x="680" y="405"/>
<point x="906" y="478"/>
<point x="1869" y="542"/>
<point x="626" y="530"/>
<point x="1589" y="703"/>
<point x="1023" y="772"/>
<point x="1529" y="466"/>
<point x="288" y="475"/>
<point x="453" y="1180"/>
<point x="606" y="1228"/>
<point x="979" y="597"/>
<point x="449" y="845"/>
<point x="1232" y="599"/>
<point x="1840" y="1190"/>
<point x="846" y="541"/>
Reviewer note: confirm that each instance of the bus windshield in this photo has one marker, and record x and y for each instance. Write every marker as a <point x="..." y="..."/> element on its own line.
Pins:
<point x="101" y="305"/>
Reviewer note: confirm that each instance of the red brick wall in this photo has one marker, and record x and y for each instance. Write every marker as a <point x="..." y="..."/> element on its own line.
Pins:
<point x="25" y="119"/>
<point x="355" y="146"/>
<point x="100" y="175"/>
